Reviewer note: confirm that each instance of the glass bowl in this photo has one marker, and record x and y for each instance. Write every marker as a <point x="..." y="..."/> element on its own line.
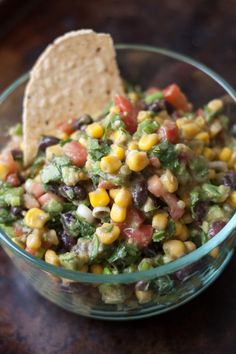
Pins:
<point x="112" y="297"/>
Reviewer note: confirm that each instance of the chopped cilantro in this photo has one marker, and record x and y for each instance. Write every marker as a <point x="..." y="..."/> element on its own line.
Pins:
<point x="126" y="253"/>
<point x="167" y="155"/>
<point x="148" y="126"/>
<point x="158" y="235"/>
<point x="97" y="150"/>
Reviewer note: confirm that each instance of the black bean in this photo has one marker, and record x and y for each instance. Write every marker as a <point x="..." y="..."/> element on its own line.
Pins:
<point x="229" y="179"/>
<point x="200" y="209"/>
<point x="139" y="193"/>
<point x="54" y="188"/>
<point x="215" y="227"/>
<point x="156" y="106"/>
<point x="85" y="119"/>
<point x="17" y="154"/>
<point x="47" y="141"/>
<point x="67" y="241"/>
<point x="16" y="211"/>
<point x="80" y="192"/>
<point x="169" y="108"/>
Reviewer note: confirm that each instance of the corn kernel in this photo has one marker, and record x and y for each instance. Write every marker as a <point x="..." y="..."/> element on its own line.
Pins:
<point x="113" y="192"/>
<point x="118" y="137"/>
<point x="108" y="233"/>
<point x="190" y="246"/>
<point x="123" y="198"/>
<point x="211" y="173"/>
<point x="204" y="137"/>
<point x="95" y="130"/>
<point x="99" y="198"/>
<point x="180" y="122"/>
<point x="169" y="181"/>
<point x="110" y="164"/>
<point x="52" y="258"/>
<point x="96" y="268"/>
<point x="4" y="171"/>
<point x="118" y="151"/>
<point x="33" y="240"/>
<point x="215" y="128"/>
<point x="118" y="214"/>
<point x="137" y="161"/>
<point x="232" y="199"/>
<point x="208" y="153"/>
<point x="189" y="130"/>
<point x="54" y="150"/>
<point x="36" y="218"/>
<point x="225" y="154"/>
<point x="159" y="221"/>
<point x="147" y="141"/>
<point x="142" y="115"/>
<point x="133" y="145"/>
<point x="215" y="252"/>
<point x="215" y="105"/>
<point x="133" y="96"/>
<point x="181" y="231"/>
<point x="18" y="242"/>
<point x="174" y="249"/>
<point x="63" y="135"/>
<point x="232" y="160"/>
<point x="200" y="121"/>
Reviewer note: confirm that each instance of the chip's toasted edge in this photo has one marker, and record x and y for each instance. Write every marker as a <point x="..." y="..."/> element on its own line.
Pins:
<point x="76" y="74"/>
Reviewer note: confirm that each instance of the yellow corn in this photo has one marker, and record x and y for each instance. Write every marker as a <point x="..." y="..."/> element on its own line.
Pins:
<point x="181" y="231"/>
<point x="114" y="110"/>
<point x="123" y="198"/>
<point x="142" y="115"/>
<point x="169" y="181"/>
<point x="215" y="128"/>
<point x="36" y="218"/>
<point x="118" y="137"/>
<point x="232" y="199"/>
<point x="180" y="122"/>
<point x="107" y="233"/>
<point x="133" y="96"/>
<point x="133" y="145"/>
<point x="211" y="173"/>
<point x="215" y="105"/>
<point x="190" y="246"/>
<point x="95" y="130"/>
<point x="159" y="221"/>
<point x="118" y="214"/>
<point x="18" y="242"/>
<point x="147" y="141"/>
<point x="118" y="151"/>
<point x="225" y="154"/>
<point x="54" y="150"/>
<point x="137" y="161"/>
<point x="174" y="249"/>
<point x="63" y="135"/>
<point x="200" y="121"/>
<point x="113" y="192"/>
<point x="189" y="130"/>
<point x="232" y="160"/>
<point x="33" y="240"/>
<point x="110" y="164"/>
<point x="99" y="198"/>
<point x="215" y="252"/>
<point x="204" y="137"/>
<point x="52" y="258"/>
<point x="208" y="153"/>
<point x="4" y="171"/>
<point x="96" y="268"/>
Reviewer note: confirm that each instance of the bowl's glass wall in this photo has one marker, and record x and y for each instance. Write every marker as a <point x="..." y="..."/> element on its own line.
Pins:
<point x="158" y="294"/>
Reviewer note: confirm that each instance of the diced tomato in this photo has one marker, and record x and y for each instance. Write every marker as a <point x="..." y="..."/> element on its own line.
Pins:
<point x="31" y="251"/>
<point x="176" y="97"/>
<point x="133" y="220"/>
<point x="13" y="179"/>
<point x="141" y="236"/>
<point x="155" y="187"/>
<point x="106" y="185"/>
<point x="128" y="112"/>
<point x="8" y="160"/>
<point x="169" y="131"/>
<point x="36" y="189"/>
<point x="30" y="201"/>
<point x="66" y="127"/>
<point x="76" y="152"/>
<point x="155" y="162"/>
<point x="18" y="230"/>
<point x="47" y="197"/>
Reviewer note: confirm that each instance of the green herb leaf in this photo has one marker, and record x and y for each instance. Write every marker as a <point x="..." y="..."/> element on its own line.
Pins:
<point x="126" y="253"/>
<point x="153" y="97"/>
<point x="148" y="126"/>
<point x="167" y="155"/>
<point x="97" y="150"/>
<point x="158" y="235"/>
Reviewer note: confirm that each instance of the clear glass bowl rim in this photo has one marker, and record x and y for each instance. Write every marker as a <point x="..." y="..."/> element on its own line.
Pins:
<point x="155" y="272"/>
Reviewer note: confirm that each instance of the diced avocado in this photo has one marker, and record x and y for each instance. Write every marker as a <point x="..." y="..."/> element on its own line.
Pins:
<point x="215" y="213"/>
<point x="50" y="173"/>
<point x="53" y="206"/>
<point x="199" y="168"/>
<point x="70" y="175"/>
<point x="216" y="194"/>
<point x="10" y="196"/>
<point x="112" y="293"/>
<point x="61" y="161"/>
<point x="69" y="260"/>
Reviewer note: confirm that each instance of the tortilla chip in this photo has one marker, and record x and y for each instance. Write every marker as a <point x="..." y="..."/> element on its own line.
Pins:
<point x="77" y="74"/>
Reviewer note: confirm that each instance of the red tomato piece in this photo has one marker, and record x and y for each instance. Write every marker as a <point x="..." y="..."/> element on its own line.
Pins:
<point x="169" y="131"/>
<point x="66" y="127"/>
<point x="13" y="179"/>
<point x="134" y="218"/>
<point x="18" y="230"/>
<point x="8" y="160"/>
<point x="141" y="236"/>
<point x="31" y="251"/>
<point x="76" y="152"/>
<point x="47" y="197"/>
<point x="36" y="189"/>
<point x="176" y="97"/>
<point x="128" y="112"/>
